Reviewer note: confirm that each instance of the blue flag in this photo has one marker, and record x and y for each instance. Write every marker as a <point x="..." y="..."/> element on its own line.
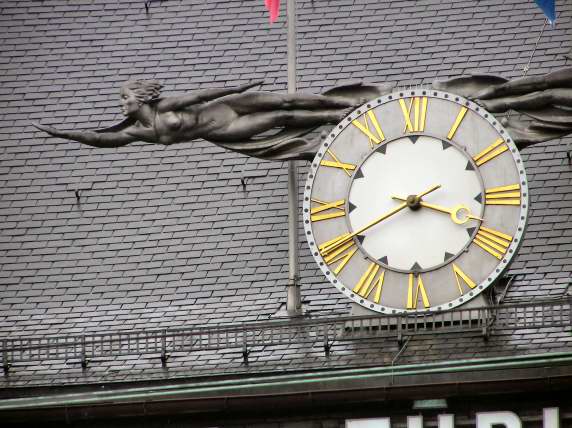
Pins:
<point x="549" y="9"/>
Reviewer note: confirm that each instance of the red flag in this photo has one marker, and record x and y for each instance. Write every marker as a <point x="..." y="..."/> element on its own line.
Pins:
<point x="273" y="6"/>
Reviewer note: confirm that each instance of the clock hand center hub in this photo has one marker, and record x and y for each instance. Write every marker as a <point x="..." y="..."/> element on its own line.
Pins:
<point x="413" y="202"/>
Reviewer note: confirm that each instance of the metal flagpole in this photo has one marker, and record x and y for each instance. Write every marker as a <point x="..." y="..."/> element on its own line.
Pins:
<point x="293" y="300"/>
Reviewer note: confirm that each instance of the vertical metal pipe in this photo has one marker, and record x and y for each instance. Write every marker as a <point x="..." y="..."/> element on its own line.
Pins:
<point x="293" y="300"/>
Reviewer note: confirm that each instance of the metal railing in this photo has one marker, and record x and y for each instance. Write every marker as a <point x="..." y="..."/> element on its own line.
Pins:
<point x="244" y="336"/>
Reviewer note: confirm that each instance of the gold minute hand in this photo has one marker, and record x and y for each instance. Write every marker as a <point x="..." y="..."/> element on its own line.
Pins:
<point x="390" y="213"/>
<point x="426" y="192"/>
<point x="334" y="245"/>
<point x="330" y="246"/>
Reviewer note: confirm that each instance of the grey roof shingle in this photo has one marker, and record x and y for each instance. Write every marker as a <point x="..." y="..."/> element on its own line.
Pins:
<point x="169" y="236"/>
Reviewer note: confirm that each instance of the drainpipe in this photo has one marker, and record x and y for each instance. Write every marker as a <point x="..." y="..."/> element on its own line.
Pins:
<point x="293" y="297"/>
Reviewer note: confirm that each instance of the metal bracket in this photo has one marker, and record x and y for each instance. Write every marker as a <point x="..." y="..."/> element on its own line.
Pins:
<point x="6" y="365"/>
<point x="403" y="345"/>
<point x="486" y="332"/>
<point x="245" y="354"/>
<point x="327" y="348"/>
<point x="509" y="279"/>
<point x="243" y="182"/>
<point x="148" y="5"/>
<point x="327" y="344"/>
<point x="487" y="328"/>
<point x="399" y="333"/>
<point x="164" y="358"/>
<point x="84" y="362"/>
<point x="164" y="355"/>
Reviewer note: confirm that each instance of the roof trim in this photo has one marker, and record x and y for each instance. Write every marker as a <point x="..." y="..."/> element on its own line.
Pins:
<point x="549" y="369"/>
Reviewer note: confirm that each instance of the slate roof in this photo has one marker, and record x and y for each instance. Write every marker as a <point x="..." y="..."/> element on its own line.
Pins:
<point x="96" y="240"/>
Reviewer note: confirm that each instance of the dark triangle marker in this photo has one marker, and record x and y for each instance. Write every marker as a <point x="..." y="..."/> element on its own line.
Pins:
<point x="416" y="267"/>
<point x="358" y="174"/>
<point x="382" y="149"/>
<point x="447" y="256"/>
<point x="479" y="198"/>
<point x="445" y="144"/>
<point x="384" y="260"/>
<point x="351" y="207"/>
<point x="470" y="230"/>
<point x="414" y="138"/>
<point x="469" y="166"/>
<point x="360" y="238"/>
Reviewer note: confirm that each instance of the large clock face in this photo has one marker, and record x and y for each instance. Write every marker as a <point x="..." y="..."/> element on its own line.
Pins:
<point x="417" y="201"/>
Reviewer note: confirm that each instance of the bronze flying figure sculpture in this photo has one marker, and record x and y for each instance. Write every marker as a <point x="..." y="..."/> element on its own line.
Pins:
<point x="273" y="126"/>
<point x="231" y="117"/>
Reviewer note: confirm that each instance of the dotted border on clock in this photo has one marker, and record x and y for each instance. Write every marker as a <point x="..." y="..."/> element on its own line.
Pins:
<point x="511" y="250"/>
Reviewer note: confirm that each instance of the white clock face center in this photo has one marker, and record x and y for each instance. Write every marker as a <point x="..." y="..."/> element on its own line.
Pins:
<point x="415" y="239"/>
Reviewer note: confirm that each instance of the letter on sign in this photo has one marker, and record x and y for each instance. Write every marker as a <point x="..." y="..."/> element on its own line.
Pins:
<point x="368" y="423"/>
<point x="551" y="417"/>
<point x="489" y="419"/>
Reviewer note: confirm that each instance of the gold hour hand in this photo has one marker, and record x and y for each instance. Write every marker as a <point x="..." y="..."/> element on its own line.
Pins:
<point x="460" y="214"/>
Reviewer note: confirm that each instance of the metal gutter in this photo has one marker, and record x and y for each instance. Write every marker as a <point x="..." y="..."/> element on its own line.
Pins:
<point x="313" y="381"/>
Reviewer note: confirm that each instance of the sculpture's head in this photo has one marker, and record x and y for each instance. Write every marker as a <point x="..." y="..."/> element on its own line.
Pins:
<point x="138" y="92"/>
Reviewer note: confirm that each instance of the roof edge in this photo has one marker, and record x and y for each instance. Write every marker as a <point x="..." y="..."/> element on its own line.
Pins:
<point x="546" y="371"/>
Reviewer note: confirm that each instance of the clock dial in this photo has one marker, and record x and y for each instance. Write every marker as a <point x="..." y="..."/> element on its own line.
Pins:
<point x="419" y="238"/>
<point x="416" y="201"/>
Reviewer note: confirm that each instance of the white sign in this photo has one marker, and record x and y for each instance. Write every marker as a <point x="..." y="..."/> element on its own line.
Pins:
<point x="550" y="419"/>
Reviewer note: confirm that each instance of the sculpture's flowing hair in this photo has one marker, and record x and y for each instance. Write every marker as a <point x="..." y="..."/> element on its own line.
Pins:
<point x="144" y="90"/>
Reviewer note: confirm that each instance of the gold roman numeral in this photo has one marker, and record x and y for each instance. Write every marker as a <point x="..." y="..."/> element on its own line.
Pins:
<point x="347" y="167"/>
<point x="491" y="152"/>
<point x="336" y="209"/>
<point x="492" y="241"/>
<point x="341" y="254"/>
<point x="462" y="276"/>
<point x="368" y="283"/>
<point x="415" y="114"/>
<point x="458" y="121"/>
<point x="413" y="292"/>
<point x="503" y="195"/>
<point x="364" y="127"/>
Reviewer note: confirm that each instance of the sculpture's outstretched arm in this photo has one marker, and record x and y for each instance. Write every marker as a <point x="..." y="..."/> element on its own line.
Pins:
<point x="180" y="102"/>
<point x="91" y="138"/>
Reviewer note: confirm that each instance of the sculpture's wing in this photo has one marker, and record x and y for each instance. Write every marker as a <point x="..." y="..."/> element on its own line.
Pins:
<point x="545" y="115"/>
<point x="526" y="134"/>
<point x="553" y="115"/>
<point x="469" y="86"/>
<point x="359" y="93"/>
<point x="288" y="144"/>
<point x="118" y="127"/>
<point x="291" y="143"/>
